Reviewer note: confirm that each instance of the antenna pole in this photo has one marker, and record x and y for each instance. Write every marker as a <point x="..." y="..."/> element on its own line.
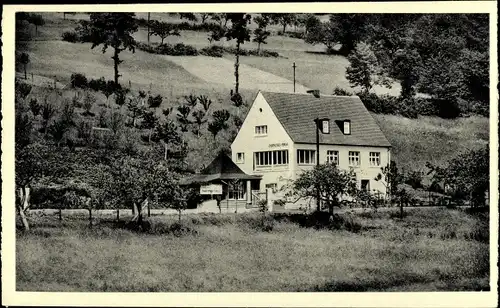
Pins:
<point x="294" y="66"/>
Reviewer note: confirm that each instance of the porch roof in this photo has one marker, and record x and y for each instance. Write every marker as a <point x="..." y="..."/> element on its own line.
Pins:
<point x="221" y="168"/>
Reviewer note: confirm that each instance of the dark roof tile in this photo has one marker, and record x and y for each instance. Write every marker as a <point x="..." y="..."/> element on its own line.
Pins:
<point x="297" y="112"/>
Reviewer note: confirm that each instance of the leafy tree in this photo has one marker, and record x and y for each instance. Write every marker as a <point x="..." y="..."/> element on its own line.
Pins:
<point x="166" y="112"/>
<point x="48" y="111"/>
<point x="391" y="178"/>
<point x="468" y="173"/>
<point x="115" y="30"/>
<point x="167" y="133"/>
<point x="237" y="100"/>
<point x="24" y="59"/>
<point x="22" y="89"/>
<point x="135" y="109"/>
<point x="363" y="70"/>
<point x="344" y="29"/>
<point x="333" y="184"/>
<point x="188" y="16"/>
<point x="205" y="102"/>
<point x="191" y="100"/>
<point x="405" y="67"/>
<point x="149" y="121"/>
<point x="183" y="117"/>
<point x="37" y="20"/>
<point x="35" y="107"/>
<point x="260" y="37"/>
<point x="199" y="120"/>
<point x="204" y="17"/>
<point x="221" y="18"/>
<point x="216" y="33"/>
<point x="219" y="122"/>
<point x="34" y="162"/>
<point x="241" y="34"/>
<point x="63" y="124"/>
<point x="88" y="103"/>
<point x="155" y="102"/>
<point x="116" y="122"/>
<point x="283" y="19"/>
<point x="262" y="21"/>
<point x="163" y="30"/>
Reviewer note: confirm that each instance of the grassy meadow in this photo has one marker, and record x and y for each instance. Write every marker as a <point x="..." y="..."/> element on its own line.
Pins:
<point x="429" y="250"/>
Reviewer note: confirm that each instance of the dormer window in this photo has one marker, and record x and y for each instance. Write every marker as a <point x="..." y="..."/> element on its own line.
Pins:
<point x="347" y="127"/>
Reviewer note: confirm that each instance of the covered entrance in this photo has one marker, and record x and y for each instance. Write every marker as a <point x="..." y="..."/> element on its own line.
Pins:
<point x="222" y="171"/>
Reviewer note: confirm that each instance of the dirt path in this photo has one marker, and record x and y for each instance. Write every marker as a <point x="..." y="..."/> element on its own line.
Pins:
<point x="221" y="70"/>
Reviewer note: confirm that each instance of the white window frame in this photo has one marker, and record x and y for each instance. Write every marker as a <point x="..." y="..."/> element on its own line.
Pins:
<point x="240" y="157"/>
<point x="260" y="130"/>
<point x="332" y="156"/>
<point x="347" y="127"/>
<point x="306" y="157"/>
<point x="238" y="193"/>
<point x="374" y="159"/>
<point x="354" y="158"/>
<point x="270" y="159"/>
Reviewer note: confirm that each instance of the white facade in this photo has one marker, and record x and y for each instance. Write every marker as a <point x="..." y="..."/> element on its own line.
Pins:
<point x="263" y="132"/>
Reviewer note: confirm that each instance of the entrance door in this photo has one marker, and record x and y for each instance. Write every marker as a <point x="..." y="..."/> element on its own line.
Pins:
<point x="365" y="185"/>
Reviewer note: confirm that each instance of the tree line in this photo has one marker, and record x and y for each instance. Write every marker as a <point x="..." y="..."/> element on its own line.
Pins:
<point x="443" y="55"/>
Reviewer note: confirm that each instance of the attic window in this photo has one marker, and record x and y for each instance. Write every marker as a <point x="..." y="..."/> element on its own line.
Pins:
<point x="347" y="127"/>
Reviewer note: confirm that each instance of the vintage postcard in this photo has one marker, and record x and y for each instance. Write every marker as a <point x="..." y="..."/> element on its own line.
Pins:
<point x="274" y="154"/>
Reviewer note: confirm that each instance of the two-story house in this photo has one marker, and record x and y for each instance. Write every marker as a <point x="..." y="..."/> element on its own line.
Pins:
<point x="277" y="139"/>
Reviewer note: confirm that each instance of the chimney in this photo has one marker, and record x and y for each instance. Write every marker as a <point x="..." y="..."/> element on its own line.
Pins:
<point x="314" y="92"/>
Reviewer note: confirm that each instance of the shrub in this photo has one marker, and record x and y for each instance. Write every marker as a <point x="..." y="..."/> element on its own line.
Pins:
<point x="70" y="36"/>
<point x="155" y="102"/>
<point x="213" y="51"/>
<point x="97" y="84"/>
<point x="184" y="50"/>
<point x="78" y="80"/>
<point x="35" y="107"/>
<point x="297" y="35"/>
<point x="341" y="92"/>
<point x="179" y="49"/>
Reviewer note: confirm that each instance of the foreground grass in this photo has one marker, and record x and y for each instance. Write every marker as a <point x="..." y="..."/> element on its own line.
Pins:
<point x="233" y="253"/>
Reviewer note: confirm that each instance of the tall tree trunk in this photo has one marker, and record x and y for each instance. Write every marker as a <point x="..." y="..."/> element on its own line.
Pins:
<point x="25" y="72"/>
<point x="162" y="40"/>
<point x="117" y="214"/>
<point x="284" y="28"/>
<point x="90" y="216"/>
<point x="258" y="48"/>
<point x="60" y="213"/>
<point x="24" y="220"/>
<point x="165" y="146"/>
<point x="24" y="197"/>
<point x="116" y="60"/>
<point x="236" y="67"/>
<point x="149" y="18"/>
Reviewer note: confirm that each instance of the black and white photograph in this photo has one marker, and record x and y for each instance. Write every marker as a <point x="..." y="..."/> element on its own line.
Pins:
<point x="165" y="150"/>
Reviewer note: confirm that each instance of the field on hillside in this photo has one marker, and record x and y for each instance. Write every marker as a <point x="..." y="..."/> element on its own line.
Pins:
<point x="429" y="250"/>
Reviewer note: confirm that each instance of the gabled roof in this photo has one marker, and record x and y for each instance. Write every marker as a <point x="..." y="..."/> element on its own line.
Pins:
<point x="221" y="168"/>
<point x="297" y="112"/>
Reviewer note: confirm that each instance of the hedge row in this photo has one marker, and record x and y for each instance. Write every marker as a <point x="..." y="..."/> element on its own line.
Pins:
<point x="181" y="49"/>
<point x="185" y="26"/>
<point x="410" y="108"/>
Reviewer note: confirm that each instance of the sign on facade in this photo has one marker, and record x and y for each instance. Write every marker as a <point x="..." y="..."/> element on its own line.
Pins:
<point x="277" y="145"/>
<point x="211" y="189"/>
